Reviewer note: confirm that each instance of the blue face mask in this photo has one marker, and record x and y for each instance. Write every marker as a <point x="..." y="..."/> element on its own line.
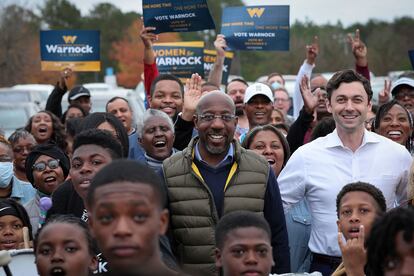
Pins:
<point x="276" y="85"/>
<point x="6" y="174"/>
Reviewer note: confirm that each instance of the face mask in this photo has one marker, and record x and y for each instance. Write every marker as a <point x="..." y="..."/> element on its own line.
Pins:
<point x="6" y="174"/>
<point x="276" y="85"/>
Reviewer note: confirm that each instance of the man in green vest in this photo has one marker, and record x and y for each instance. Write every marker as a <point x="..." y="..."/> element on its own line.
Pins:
<point x="214" y="176"/>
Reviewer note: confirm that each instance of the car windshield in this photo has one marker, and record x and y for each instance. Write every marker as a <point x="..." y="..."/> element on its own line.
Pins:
<point x="12" y="96"/>
<point x="12" y="117"/>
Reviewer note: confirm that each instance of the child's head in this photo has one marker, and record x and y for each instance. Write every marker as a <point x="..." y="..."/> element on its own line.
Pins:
<point x="390" y="247"/>
<point x="126" y="203"/>
<point x="358" y="204"/>
<point x="92" y="150"/>
<point x="64" y="246"/>
<point x="13" y="217"/>
<point x="243" y="244"/>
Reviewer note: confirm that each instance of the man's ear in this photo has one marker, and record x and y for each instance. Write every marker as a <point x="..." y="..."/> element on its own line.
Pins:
<point x="217" y="254"/>
<point x="164" y="219"/>
<point x="195" y="120"/>
<point x="149" y="100"/>
<point x="328" y="105"/>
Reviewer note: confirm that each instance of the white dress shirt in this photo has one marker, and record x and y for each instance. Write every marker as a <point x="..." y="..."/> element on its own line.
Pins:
<point x="320" y="169"/>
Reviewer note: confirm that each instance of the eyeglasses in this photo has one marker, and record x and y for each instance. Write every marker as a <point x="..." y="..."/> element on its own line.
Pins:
<point x="211" y="117"/>
<point x="41" y="166"/>
<point x="401" y="95"/>
<point x="320" y="87"/>
<point x="22" y="149"/>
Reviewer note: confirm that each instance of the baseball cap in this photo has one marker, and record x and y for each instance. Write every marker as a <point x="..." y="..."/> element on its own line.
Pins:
<point x="401" y="81"/>
<point x="258" y="89"/>
<point x="77" y="92"/>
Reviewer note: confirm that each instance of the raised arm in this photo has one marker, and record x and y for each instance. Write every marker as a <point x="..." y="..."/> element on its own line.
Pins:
<point x="150" y="67"/>
<point x="312" y="51"/>
<point x="184" y="125"/>
<point x="54" y="101"/>
<point x="216" y="72"/>
<point x="360" y="51"/>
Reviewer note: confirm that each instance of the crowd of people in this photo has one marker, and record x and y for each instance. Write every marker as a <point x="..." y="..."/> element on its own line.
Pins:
<point x="212" y="182"/>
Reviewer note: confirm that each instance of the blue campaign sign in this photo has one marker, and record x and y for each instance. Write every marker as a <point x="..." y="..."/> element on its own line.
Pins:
<point x="256" y="28"/>
<point x="180" y="58"/>
<point x="177" y="15"/>
<point x="77" y="49"/>
<point x="411" y="54"/>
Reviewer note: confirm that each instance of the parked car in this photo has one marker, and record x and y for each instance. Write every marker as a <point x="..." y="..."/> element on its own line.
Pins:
<point x="43" y="90"/>
<point x="15" y="115"/>
<point x="20" y="94"/>
<point x="100" y="97"/>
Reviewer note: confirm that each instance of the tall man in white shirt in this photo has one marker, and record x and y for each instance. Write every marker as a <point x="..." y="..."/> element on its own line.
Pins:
<point x="318" y="170"/>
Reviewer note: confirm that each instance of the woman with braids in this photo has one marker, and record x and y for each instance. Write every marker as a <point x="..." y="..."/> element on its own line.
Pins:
<point x="13" y="218"/>
<point x="396" y="123"/>
<point x="47" y="128"/>
<point x="390" y="247"/>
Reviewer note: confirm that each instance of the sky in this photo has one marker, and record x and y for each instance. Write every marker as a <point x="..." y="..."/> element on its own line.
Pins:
<point x="318" y="11"/>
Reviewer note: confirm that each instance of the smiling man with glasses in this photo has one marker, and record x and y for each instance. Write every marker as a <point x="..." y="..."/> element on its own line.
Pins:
<point x="213" y="176"/>
<point x="403" y="92"/>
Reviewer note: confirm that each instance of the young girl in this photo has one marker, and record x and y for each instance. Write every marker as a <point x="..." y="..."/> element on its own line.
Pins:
<point x="64" y="246"/>
<point x="13" y="218"/>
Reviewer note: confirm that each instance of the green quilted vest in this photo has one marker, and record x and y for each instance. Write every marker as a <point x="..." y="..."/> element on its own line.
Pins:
<point x="192" y="209"/>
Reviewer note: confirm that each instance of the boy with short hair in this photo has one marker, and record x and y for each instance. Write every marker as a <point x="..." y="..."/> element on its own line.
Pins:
<point x="358" y="205"/>
<point x="127" y="215"/>
<point x="243" y="244"/>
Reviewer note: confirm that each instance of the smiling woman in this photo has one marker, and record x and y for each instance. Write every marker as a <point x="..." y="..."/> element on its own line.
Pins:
<point x="157" y="137"/>
<point x="395" y="122"/>
<point x="46" y="166"/>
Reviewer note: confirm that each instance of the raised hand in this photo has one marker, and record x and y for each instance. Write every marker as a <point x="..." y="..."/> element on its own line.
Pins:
<point x="65" y="76"/>
<point x="384" y="95"/>
<point x="359" y="48"/>
<point x="147" y="36"/>
<point x="220" y="44"/>
<point x="312" y="51"/>
<point x="192" y="96"/>
<point x="310" y="100"/>
<point x="354" y="255"/>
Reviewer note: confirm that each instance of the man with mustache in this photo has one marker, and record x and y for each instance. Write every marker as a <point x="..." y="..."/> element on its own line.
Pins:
<point x="214" y="176"/>
<point x="258" y="104"/>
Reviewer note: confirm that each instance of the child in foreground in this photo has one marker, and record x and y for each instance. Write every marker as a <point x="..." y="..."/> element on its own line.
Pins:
<point x="127" y="215"/>
<point x="358" y="205"/>
<point x="243" y="244"/>
<point x="64" y="246"/>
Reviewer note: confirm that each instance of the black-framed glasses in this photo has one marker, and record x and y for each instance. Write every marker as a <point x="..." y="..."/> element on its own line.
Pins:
<point x="41" y="166"/>
<point x="211" y="117"/>
<point x="320" y="87"/>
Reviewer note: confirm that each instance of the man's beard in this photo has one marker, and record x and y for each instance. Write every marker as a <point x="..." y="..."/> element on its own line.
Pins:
<point x="239" y="111"/>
